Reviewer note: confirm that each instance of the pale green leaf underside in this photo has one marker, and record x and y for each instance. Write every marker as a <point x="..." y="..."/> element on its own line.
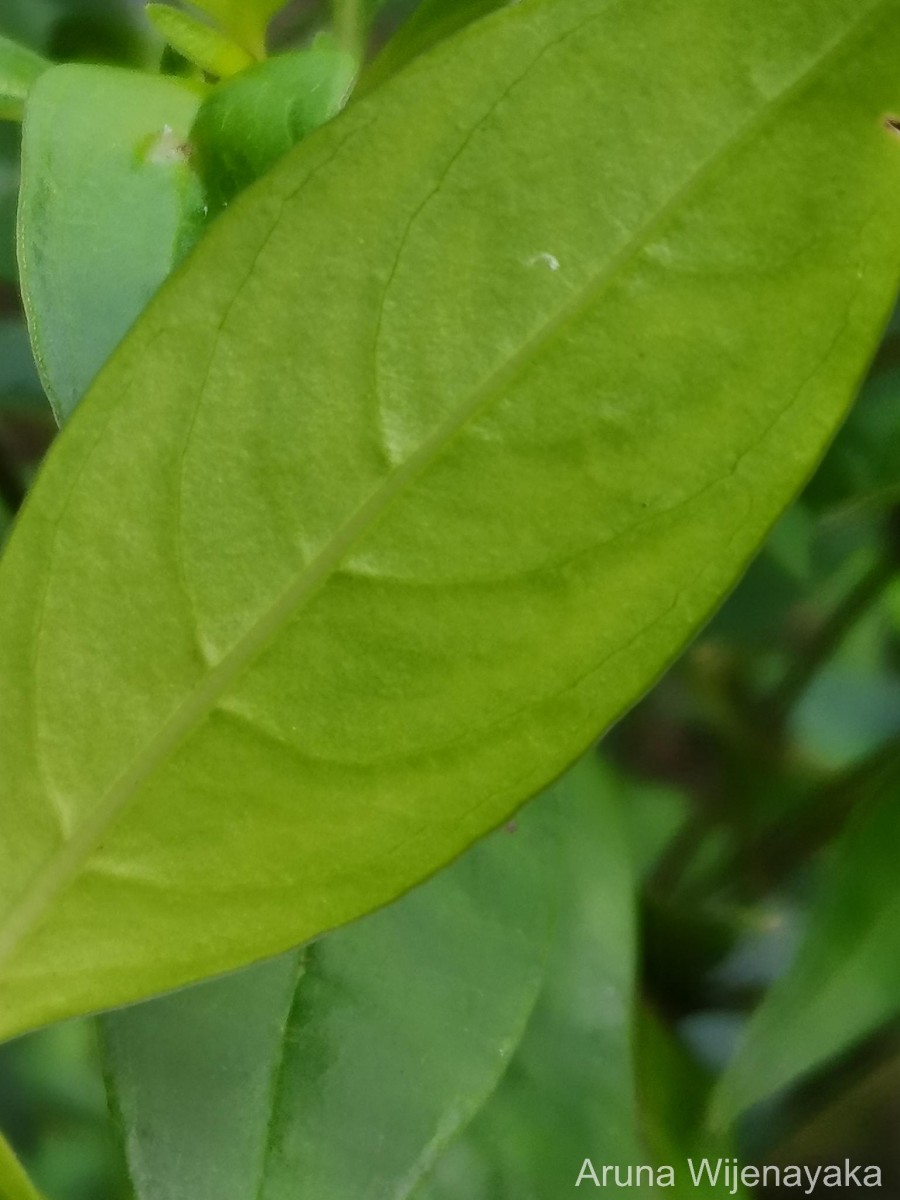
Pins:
<point x="446" y="438"/>
<point x="19" y="68"/>
<point x="345" y="1076"/>
<point x="846" y="979"/>
<point x="106" y="192"/>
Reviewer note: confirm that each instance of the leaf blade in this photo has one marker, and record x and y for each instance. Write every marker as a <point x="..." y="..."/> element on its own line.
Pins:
<point x="360" y="506"/>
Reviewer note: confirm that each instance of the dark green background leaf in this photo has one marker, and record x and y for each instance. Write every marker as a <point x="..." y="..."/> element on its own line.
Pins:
<point x="19" y="68"/>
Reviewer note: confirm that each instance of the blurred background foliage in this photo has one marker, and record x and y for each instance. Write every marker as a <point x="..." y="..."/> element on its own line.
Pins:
<point x="758" y="782"/>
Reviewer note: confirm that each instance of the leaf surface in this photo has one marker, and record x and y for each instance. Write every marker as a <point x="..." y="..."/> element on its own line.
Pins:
<point x="845" y="981"/>
<point x="342" y="1070"/>
<point x="19" y="68"/>
<point x="106" y="195"/>
<point x="443" y="442"/>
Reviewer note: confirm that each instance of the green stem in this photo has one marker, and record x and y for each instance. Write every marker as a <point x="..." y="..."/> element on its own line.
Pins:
<point x="793" y="839"/>
<point x="828" y="639"/>
<point x="350" y="27"/>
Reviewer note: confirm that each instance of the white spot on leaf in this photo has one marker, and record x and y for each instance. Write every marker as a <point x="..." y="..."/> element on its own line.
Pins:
<point x="548" y="260"/>
<point x="167" y="149"/>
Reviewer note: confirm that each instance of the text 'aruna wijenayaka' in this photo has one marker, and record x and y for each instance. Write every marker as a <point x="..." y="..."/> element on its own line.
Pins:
<point x="729" y="1175"/>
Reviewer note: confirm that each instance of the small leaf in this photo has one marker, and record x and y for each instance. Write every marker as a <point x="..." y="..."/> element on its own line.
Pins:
<point x="245" y="20"/>
<point x="343" y="1075"/>
<point x="107" y="196"/>
<point x="14" y="1183"/>
<point x="246" y="126"/>
<point x="845" y="981"/>
<point x="446" y="438"/>
<point x="206" y="47"/>
<point x="19" y="68"/>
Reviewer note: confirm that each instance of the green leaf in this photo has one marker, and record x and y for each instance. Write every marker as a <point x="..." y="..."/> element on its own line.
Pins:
<point x="245" y="20"/>
<point x="107" y="195"/>
<point x="845" y="981"/>
<point x="344" y="1075"/>
<point x="28" y="22"/>
<point x="246" y="126"/>
<point x="569" y="1092"/>
<point x="445" y="439"/>
<point x="199" y="43"/>
<point x="14" y="1183"/>
<point x="19" y="68"/>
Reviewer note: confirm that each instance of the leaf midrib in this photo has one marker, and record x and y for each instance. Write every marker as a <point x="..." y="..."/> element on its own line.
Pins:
<point x="62" y="867"/>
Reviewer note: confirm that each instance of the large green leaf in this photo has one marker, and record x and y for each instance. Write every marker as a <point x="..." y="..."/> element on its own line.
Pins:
<point x="445" y="439"/>
<point x="344" y="1075"/>
<point x="19" y="68"/>
<point x="570" y="1091"/>
<point x="845" y="981"/>
<point x="107" y="193"/>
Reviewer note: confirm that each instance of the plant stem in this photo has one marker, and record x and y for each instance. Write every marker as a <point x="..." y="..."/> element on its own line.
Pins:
<point x="350" y="27"/>
<point x="12" y="492"/>
<point x="794" y="839"/>
<point x="828" y="639"/>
